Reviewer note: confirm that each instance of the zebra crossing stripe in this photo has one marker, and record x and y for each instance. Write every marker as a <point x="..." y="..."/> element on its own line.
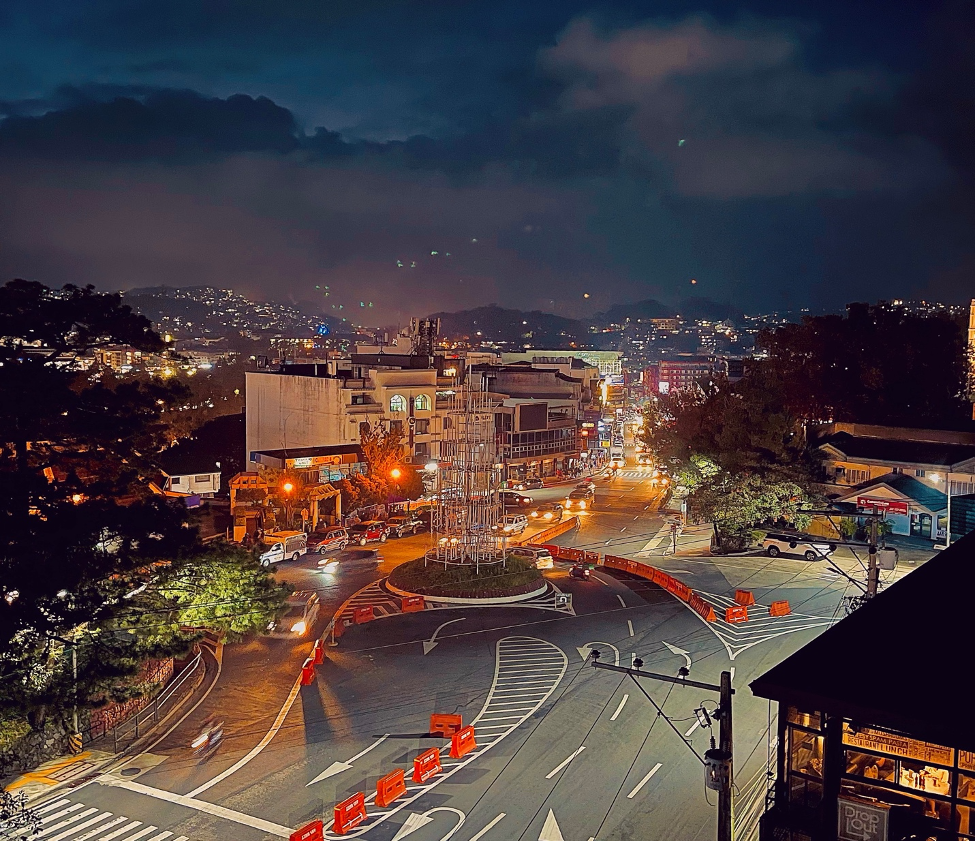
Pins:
<point x="85" y="825"/>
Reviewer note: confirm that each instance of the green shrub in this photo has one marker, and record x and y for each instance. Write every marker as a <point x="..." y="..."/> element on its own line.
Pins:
<point x="493" y="580"/>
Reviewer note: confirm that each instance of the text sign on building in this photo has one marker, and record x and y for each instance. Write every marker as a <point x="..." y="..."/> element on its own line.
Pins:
<point x="313" y="461"/>
<point x="859" y="821"/>
<point x="890" y="506"/>
<point x="895" y="745"/>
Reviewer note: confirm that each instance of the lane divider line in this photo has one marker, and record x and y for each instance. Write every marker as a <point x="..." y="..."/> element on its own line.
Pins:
<point x="566" y="762"/>
<point x="644" y="779"/>
<point x="620" y="707"/>
<point x="488" y="826"/>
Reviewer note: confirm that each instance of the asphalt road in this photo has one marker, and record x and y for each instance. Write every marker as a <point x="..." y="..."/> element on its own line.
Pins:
<point x="565" y="751"/>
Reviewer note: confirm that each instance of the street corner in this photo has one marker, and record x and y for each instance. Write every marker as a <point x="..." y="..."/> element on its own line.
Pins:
<point x="133" y="768"/>
<point x="59" y="772"/>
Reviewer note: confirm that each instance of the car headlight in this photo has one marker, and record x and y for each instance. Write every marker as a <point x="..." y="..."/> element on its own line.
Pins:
<point x="299" y="627"/>
<point x="332" y="566"/>
<point x="568" y="505"/>
<point x="583" y="504"/>
<point x="548" y="515"/>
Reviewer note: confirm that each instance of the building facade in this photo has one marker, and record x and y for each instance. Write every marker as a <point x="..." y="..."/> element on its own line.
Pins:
<point x="537" y="438"/>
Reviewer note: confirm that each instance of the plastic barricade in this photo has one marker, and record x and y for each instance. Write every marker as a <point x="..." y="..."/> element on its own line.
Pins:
<point x="349" y="814"/>
<point x="363" y="614"/>
<point x="317" y="654"/>
<point x="309" y="832"/>
<point x="735" y="615"/>
<point x="427" y="765"/>
<point x="446" y="724"/>
<point x="744" y="597"/>
<point x="592" y="558"/>
<point x="780" y="608"/>
<point x="702" y="607"/>
<point x="411" y="604"/>
<point x="390" y="787"/>
<point x="308" y="672"/>
<point x="462" y="742"/>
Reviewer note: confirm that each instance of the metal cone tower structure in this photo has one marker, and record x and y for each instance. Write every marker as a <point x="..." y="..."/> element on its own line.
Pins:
<point x="469" y="476"/>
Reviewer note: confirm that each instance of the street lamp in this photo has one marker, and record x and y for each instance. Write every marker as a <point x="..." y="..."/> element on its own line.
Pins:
<point x="287" y="488"/>
<point x="395" y="473"/>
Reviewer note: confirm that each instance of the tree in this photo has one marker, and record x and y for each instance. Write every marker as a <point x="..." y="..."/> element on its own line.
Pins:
<point x="84" y="532"/>
<point x="389" y="479"/>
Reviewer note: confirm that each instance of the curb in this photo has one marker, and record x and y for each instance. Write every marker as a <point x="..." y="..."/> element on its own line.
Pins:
<point x="521" y="597"/>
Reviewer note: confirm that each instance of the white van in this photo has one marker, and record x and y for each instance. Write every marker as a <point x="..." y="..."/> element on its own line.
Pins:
<point x="278" y="546"/>
<point x="512" y="524"/>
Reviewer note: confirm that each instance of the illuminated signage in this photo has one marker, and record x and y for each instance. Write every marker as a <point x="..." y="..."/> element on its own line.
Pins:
<point x="890" y="743"/>
<point x="890" y="506"/>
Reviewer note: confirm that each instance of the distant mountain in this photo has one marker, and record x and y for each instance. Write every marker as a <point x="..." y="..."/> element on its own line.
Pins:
<point x="619" y="313"/>
<point x="514" y="327"/>
<point x="709" y="310"/>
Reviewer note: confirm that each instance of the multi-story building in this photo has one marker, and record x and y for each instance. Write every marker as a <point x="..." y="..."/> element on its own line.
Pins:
<point x="680" y="372"/>
<point x="537" y="437"/>
<point x="120" y="358"/>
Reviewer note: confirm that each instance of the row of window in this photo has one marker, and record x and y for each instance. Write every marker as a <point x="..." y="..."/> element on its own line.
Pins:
<point x="398" y="403"/>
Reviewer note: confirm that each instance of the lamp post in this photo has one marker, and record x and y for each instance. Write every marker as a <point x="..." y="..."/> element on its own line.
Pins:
<point x="287" y="488"/>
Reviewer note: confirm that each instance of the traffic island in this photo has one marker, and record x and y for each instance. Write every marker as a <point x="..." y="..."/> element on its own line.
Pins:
<point x="517" y="579"/>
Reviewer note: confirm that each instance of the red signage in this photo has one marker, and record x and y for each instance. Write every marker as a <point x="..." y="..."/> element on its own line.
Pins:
<point x="310" y="832"/>
<point x="889" y="506"/>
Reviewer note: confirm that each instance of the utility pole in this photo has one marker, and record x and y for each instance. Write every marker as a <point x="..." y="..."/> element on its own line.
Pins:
<point x="873" y="555"/>
<point x="718" y="761"/>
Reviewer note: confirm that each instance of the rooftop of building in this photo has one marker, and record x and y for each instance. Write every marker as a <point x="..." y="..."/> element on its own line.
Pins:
<point x="927" y="497"/>
<point x="903" y="661"/>
<point x="904" y="451"/>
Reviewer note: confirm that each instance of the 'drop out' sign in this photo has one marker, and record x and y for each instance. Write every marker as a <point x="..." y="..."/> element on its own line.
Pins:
<point x="862" y="821"/>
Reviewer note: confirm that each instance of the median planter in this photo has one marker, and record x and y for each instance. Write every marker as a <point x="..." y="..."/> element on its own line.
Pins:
<point x="494" y="581"/>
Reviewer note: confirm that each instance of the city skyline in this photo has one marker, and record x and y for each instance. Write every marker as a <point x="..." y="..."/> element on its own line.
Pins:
<point x="565" y="158"/>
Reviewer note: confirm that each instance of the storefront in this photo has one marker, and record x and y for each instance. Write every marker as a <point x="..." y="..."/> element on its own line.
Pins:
<point x="875" y="719"/>
<point x="910" y="507"/>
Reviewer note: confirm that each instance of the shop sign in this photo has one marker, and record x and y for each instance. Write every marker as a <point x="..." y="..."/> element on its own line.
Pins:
<point x="858" y="821"/>
<point x="889" y="506"/>
<point x="890" y="743"/>
<point x="313" y="461"/>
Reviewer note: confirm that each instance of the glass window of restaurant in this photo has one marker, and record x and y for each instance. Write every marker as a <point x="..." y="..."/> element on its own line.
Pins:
<point x="804" y="755"/>
<point x="929" y="788"/>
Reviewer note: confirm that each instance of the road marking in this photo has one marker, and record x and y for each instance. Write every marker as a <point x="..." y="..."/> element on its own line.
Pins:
<point x="565" y="762"/>
<point x="488" y="826"/>
<point x="620" y="707"/>
<point x="607" y="543"/>
<point x="430" y="644"/>
<point x="339" y="767"/>
<point x="634" y="657"/>
<point x="644" y="779"/>
<point x="621" y="600"/>
<point x="119" y="831"/>
<point x="584" y="651"/>
<point x="244" y="760"/>
<point x="415" y="821"/>
<point x="681" y="652"/>
<point x="66" y="821"/>
<point x="49" y="806"/>
<point x="691" y="730"/>
<point x="732" y="672"/>
<point x="630" y="628"/>
<point x="551" y="829"/>
<point x="200" y="805"/>
<point x="85" y="825"/>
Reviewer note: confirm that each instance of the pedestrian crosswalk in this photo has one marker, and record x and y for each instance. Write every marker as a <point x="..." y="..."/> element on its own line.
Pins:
<point x="66" y="820"/>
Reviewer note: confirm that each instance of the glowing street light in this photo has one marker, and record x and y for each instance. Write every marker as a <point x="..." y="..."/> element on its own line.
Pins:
<point x="395" y="473"/>
<point x="288" y="487"/>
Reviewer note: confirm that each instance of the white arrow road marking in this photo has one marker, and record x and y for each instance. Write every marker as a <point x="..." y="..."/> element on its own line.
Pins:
<point x="430" y="644"/>
<point x="630" y="628"/>
<point x="681" y="652"/>
<point x="644" y="779"/>
<point x="565" y="762"/>
<point x="339" y="767"/>
<point x="621" y="600"/>
<point x="620" y="707"/>
<point x="416" y="821"/>
<point x="551" y="829"/>
<point x="488" y="826"/>
<point x="584" y="651"/>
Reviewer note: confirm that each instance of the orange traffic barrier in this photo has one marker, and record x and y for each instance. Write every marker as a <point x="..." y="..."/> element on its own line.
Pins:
<point x="309" y="832"/>
<point x="363" y="614"/>
<point x="426" y="765"/>
<point x="780" y="609"/>
<point x="411" y="604"/>
<point x="735" y="615"/>
<point x="349" y="814"/>
<point x="702" y="607"/>
<point x="339" y="626"/>
<point x="317" y="653"/>
<point x="592" y="557"/>
<point x="462" y="742"/>
<point x="446" y="724"/>
<point x="308" y="672"/>
<point x="390" y="787"/>
<point x="744" y="597"/>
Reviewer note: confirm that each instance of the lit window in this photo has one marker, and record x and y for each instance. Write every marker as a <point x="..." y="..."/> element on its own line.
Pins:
<point x="422" y="403"/>
<point x="398" y="403"/>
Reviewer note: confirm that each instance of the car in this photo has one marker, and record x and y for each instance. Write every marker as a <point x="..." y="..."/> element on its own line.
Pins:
<point x="538" y="557"/>
<point x="331" y="539"/>
<point x="514" y="499"/>
<point x="580" y="571"/>
<point x="511" y="524"/>
<point x="646" y="459"/>
<point x="586" y="485"/>
<point x="533" y="483"/>
<point x="402" y="524"/>
<point x="352" y="560"/>
<point x="279" y="546"/>
<point x="368" y="532"/>
<point x="547" y="512"/>
<point x="301" y="612"/>
<point x="579" y="499"/>
<point x="778" y="543"/>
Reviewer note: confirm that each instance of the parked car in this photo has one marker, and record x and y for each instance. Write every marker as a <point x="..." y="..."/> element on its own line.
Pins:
<point x="580" y="499"/>
<point x="580" y="571"/>
<point x="352" y="560"/>
<point x="776" y="543"/>
<point x="368" y="532"/>
<point x="539" y="558"/>
<point x="512" y="524"/>
<point x="533" y="483"/>
<point x="278" y="546"/>
<point x="547" y="512"/>
<point x="331" y="539"/>
<point x="301" y="612"/>
<point x="514" y="499"/>
<point x="402" y="524"/>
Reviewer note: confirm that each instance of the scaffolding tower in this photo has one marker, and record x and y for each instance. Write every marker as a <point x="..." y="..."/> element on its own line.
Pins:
<point x="465" y="525"/>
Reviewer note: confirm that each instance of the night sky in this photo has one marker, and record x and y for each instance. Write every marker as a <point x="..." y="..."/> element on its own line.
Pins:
<point x="783" y="154"/>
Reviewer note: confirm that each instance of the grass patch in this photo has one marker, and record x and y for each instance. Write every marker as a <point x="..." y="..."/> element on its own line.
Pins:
<point x="515" y="578"/>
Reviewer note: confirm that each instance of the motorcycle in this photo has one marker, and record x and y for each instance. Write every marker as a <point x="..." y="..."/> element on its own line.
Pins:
<point x="208" y="739"/>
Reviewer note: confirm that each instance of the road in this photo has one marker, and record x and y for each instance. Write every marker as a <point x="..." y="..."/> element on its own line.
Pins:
<point x="565" y="751"/>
